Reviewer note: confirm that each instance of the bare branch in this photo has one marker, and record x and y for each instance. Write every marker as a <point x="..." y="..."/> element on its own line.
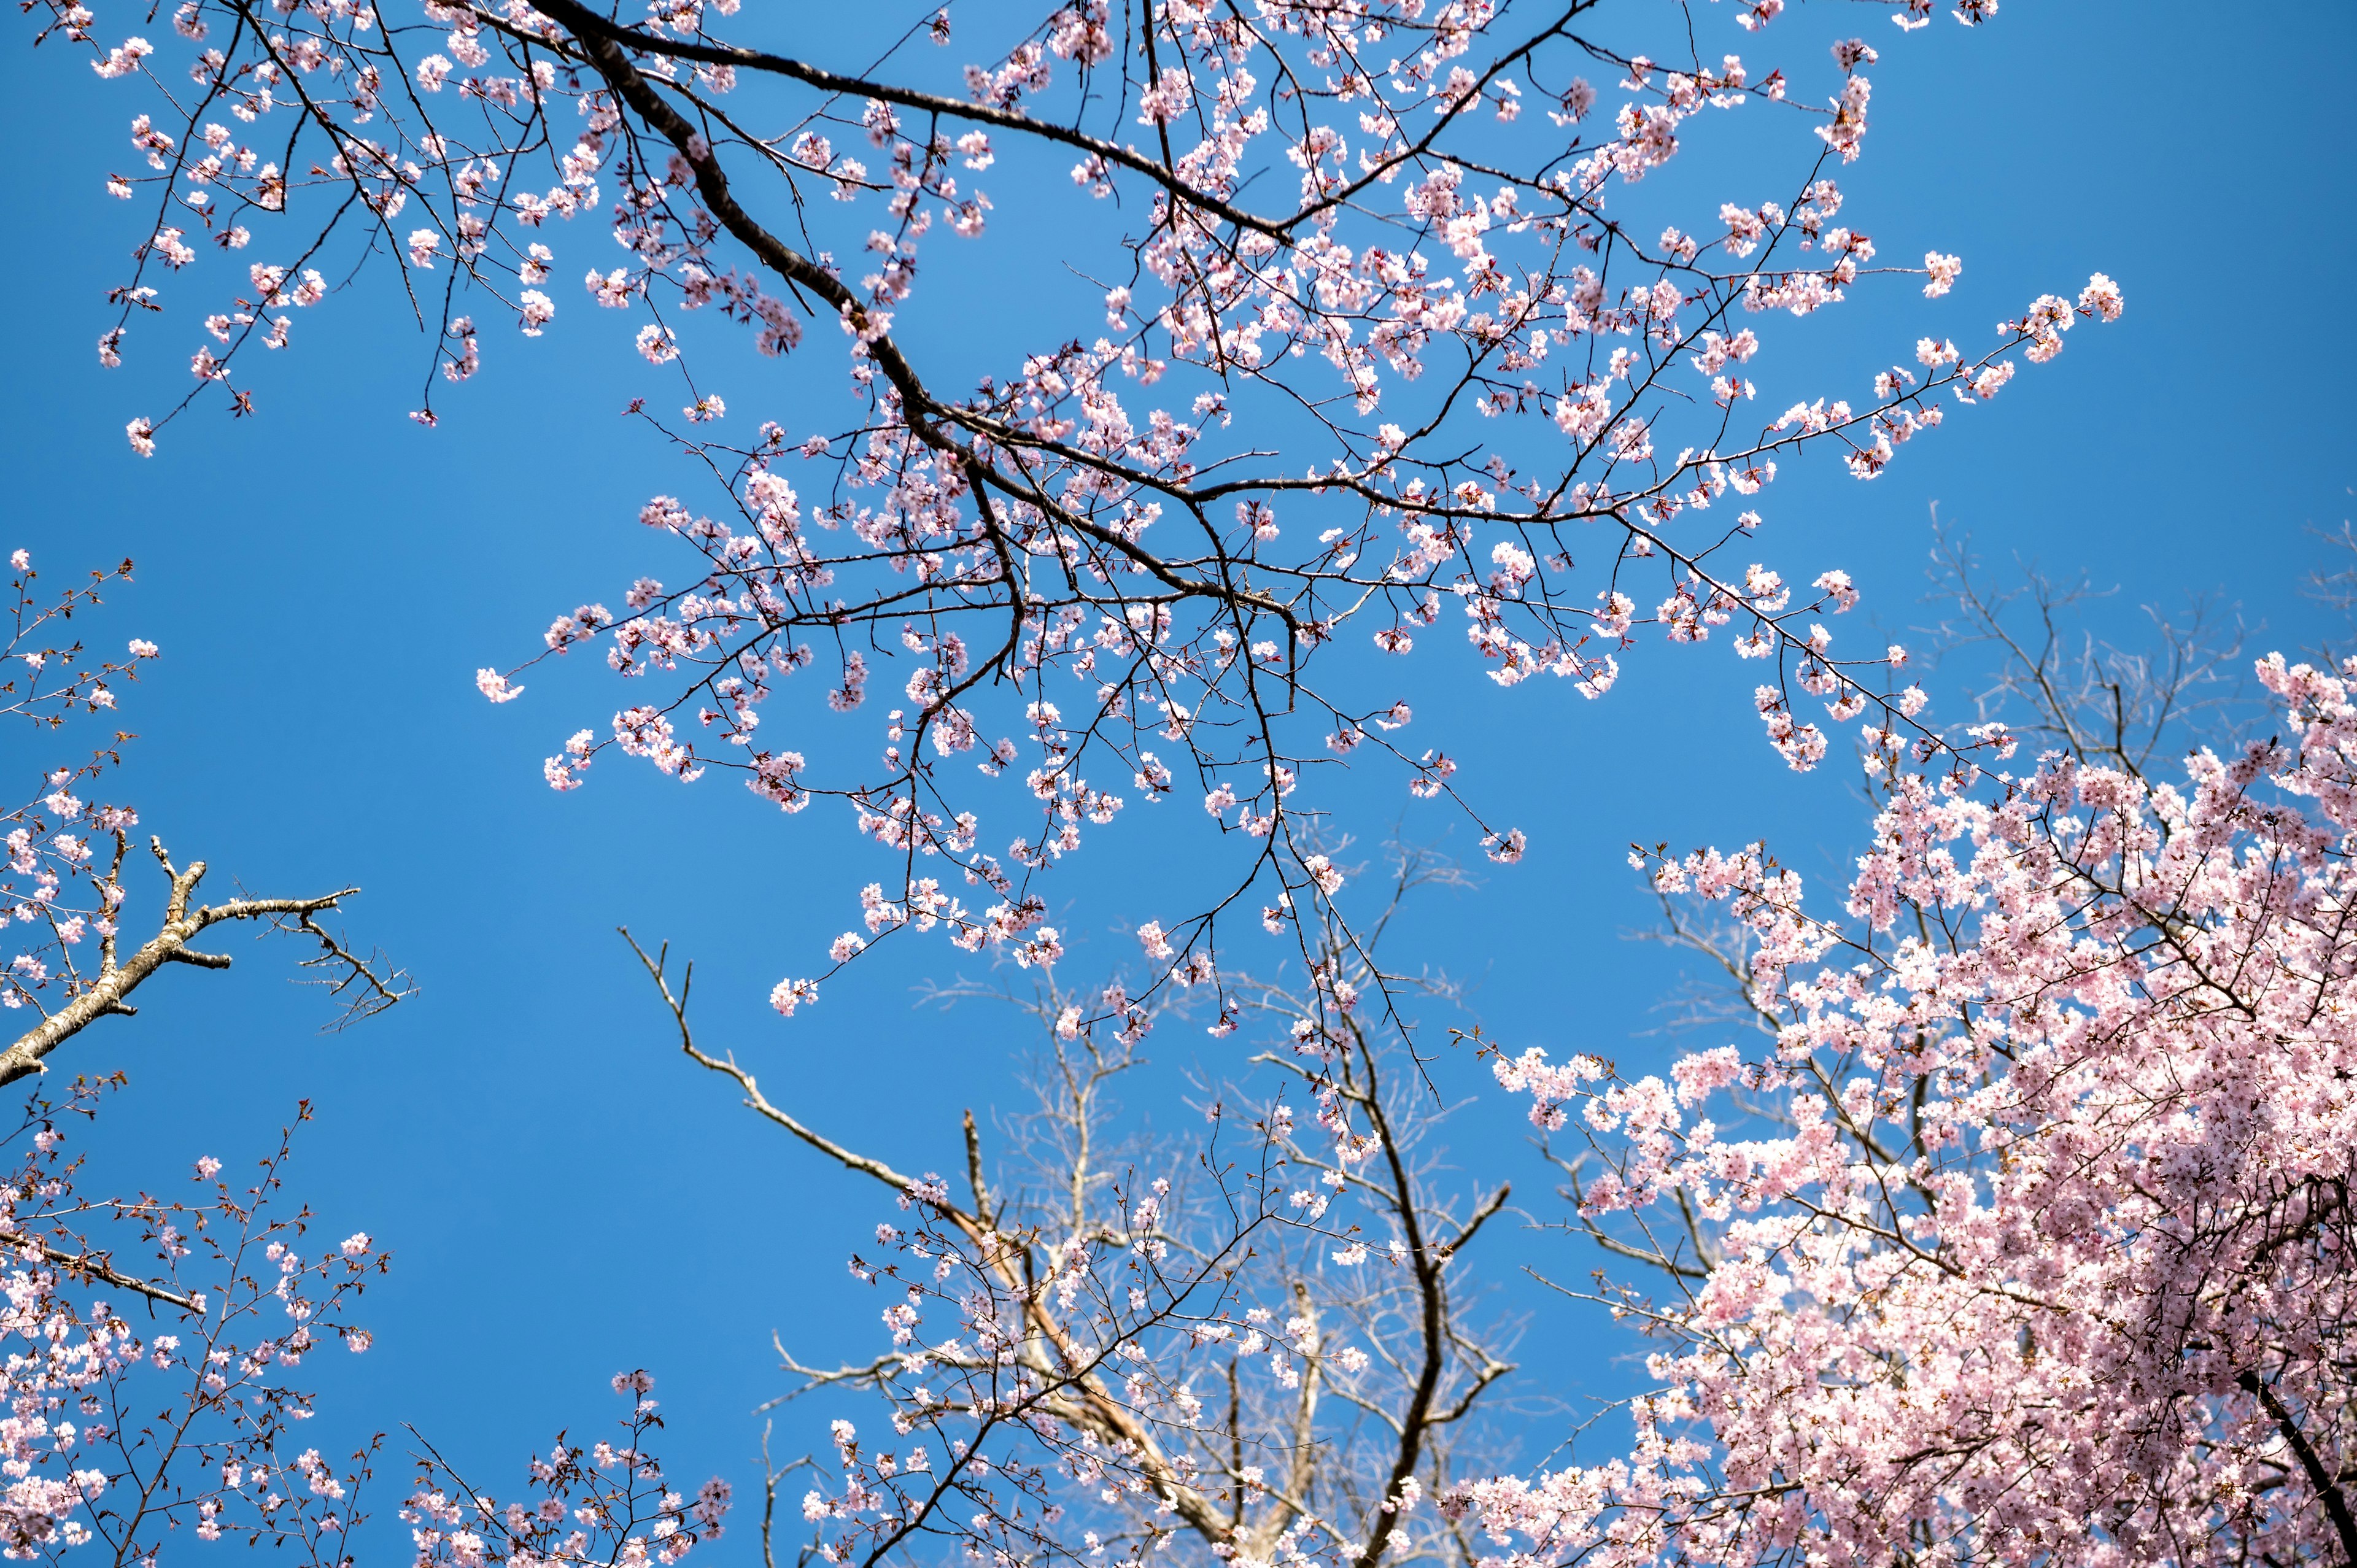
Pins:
<point x="181" y="925"/>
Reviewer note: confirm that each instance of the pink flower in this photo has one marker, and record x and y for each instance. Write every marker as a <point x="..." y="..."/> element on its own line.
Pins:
<point x="494" y="685"/>
<point x="657" y="344"/>
<point x="2102" y="297"/>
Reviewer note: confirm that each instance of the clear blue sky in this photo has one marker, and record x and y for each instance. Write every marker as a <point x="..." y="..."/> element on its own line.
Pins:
<point x="565" y="1197"/>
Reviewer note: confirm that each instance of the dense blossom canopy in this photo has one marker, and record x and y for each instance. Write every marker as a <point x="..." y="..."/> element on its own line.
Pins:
<point x="2052" y="1261"/>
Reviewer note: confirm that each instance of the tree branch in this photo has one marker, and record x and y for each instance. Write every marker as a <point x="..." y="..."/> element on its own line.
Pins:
<point x="2328" y="1490"/>
<point x="169" y="945"/>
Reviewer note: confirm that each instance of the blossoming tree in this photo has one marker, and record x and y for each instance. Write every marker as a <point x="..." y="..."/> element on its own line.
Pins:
<point x="1379" y="333"/>
<point x="2050" y="1257"/>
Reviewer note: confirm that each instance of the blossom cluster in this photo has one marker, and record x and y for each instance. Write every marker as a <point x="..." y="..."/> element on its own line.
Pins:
<point x="607" y="1503"/>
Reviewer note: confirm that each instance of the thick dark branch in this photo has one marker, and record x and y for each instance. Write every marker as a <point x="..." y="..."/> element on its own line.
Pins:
<point x="924" y="411"/>
<point x="712" y="184"/>
<point x="588" y="24"/>
<point x="1432" y="1325"/>
<point x="2328" y="1490"/>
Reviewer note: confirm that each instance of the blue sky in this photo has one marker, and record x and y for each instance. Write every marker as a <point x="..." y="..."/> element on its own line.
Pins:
<point x="565" y="1197"/>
